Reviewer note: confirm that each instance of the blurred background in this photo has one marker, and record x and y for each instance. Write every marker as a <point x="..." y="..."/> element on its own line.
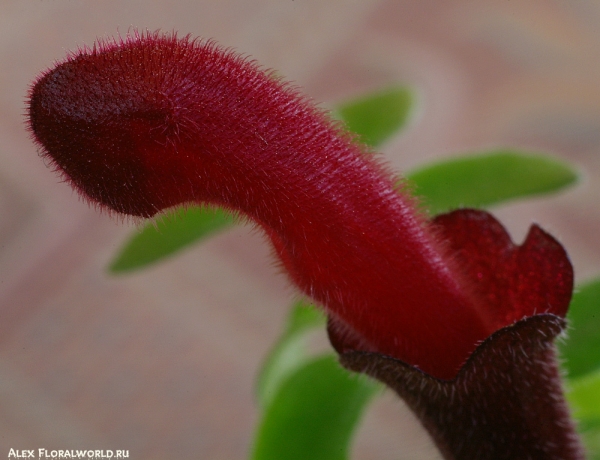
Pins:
<point x="162" y="362"/>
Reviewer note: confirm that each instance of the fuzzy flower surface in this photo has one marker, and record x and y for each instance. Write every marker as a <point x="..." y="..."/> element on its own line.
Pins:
<point x="145" y="123"/>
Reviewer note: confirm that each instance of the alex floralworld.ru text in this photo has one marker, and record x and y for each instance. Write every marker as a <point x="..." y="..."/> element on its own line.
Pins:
<point x="75" y="453"/>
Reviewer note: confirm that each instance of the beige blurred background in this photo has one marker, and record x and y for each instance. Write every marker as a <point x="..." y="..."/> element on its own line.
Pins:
<point x="163" y="362"/>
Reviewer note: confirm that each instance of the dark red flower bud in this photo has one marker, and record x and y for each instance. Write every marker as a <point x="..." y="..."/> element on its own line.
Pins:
<point x="153" y="121"/>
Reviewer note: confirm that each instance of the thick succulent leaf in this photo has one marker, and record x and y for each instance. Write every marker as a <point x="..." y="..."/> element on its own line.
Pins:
<point x="173" y="232"/>
<point x="290" y="352"/>
<point x="378" y="116"/>
<point x="581" y="351"/>
<point x="489" y="179"/>
<point x="314" y="414"/>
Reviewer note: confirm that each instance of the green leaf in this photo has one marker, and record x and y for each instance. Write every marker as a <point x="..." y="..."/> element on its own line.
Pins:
<point x="581" y="350"/>
<point x="290" y="352"/>
<point x="377" y="116"/>
<point x="584" y="398"/>
<point x="314" y="414"/>
<point x="175" y="231"/>
<point x="591" y="441"/>
<point x="304" y="315"/>
<point x="489" y="179"/>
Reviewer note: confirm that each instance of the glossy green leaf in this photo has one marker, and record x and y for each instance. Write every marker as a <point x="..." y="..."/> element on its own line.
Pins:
<point x="173" y="232"/>
<point x="581" y="351"/>
<point x="314" y="414"/>
<point x="377" y="116"/>
<point x="290" y="352"/>
<point x="489" y="179"/>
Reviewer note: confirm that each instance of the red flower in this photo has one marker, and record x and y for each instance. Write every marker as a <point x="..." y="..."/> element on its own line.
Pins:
<point x="154" y="121"/>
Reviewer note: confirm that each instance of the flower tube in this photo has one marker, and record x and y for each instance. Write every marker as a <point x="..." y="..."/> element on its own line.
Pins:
<point x="150" y="122"/>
